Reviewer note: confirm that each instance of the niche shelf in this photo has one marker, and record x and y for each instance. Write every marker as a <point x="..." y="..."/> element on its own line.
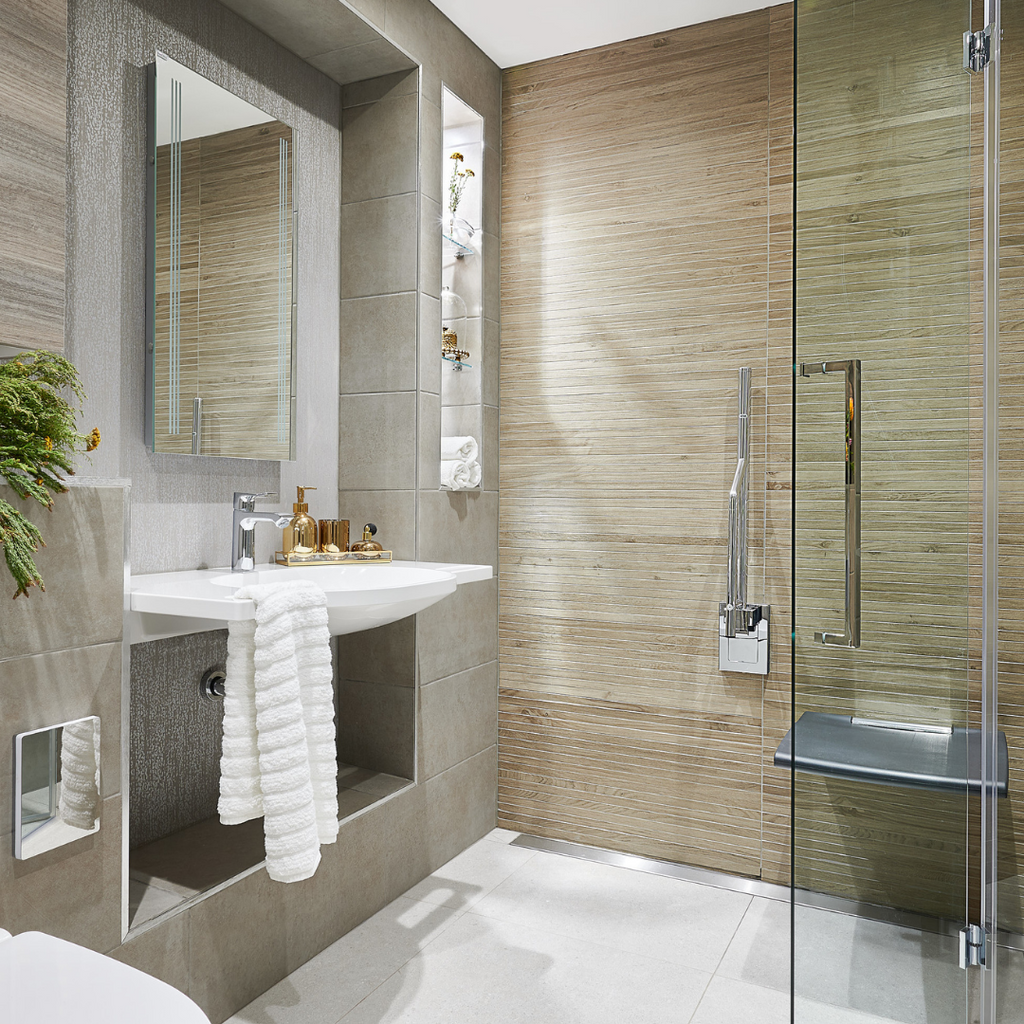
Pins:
<point x="174" y="872"/>
<point x="449" y="247"/>
<point x="889" y="753"/>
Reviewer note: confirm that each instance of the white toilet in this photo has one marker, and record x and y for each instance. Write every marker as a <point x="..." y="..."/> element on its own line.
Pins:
<point x="45" y="980"/>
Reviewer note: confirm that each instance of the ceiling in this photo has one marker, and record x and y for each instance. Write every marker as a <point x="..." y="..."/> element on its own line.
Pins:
<point x="522" y="31"/>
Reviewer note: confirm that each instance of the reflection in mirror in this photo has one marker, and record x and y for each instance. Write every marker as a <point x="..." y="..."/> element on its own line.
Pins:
<point x="56" y="786"/>
<point x="221" y="310"/>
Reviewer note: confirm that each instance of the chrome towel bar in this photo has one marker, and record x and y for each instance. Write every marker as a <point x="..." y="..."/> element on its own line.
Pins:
<point x="850" y="368"/>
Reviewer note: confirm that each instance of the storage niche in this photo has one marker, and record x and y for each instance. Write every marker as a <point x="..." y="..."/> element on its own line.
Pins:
<point x="461" y="342"/>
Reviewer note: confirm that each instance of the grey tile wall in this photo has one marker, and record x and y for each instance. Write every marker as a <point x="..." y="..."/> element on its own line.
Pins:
<point x="61" y="658"/>
<point x="82" y="566"/>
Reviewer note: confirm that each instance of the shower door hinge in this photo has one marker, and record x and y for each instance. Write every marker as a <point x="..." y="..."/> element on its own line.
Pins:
<point x="973" y="940"/>
<point x="977" y="50"/>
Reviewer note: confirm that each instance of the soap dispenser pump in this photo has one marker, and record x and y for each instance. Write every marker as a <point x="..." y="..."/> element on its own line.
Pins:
<point x="300" y="533"/>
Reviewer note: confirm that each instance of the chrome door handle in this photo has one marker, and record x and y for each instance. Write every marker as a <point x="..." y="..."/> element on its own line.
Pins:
<point x="850" y="368"/>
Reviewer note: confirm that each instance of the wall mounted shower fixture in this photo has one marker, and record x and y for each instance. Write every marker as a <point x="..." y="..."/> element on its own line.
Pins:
<point x="743" y="629"/>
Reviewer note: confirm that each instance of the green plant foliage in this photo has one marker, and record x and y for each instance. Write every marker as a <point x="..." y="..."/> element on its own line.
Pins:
<point x="40" y="396"/>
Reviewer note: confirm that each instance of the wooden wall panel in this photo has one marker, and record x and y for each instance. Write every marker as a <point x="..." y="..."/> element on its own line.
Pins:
<point x="637" y="209"/>
<point x="33" y="129"/>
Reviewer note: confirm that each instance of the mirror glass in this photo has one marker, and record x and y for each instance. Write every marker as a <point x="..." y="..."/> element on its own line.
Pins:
<point x="57" y="786"/>
<point x="221" y="277"/>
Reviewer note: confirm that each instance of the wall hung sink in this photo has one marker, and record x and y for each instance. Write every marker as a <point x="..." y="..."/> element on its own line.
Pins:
<point x="358" y="596"/>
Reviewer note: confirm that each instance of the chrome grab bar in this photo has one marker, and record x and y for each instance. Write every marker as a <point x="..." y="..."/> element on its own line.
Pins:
<point x="850" y="368"/>
<point x="737" y="615"/>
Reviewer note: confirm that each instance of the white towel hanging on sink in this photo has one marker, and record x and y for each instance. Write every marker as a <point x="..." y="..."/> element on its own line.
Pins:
<point x="279" y="758"/>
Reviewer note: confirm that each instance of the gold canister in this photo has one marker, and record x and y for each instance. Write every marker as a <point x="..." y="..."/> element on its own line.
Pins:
<point x="333" y="536"/>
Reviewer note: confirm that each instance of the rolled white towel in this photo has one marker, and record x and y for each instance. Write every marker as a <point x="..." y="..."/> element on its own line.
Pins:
<point x="459" y="476"/>
<point x="461" y="449"/>
<point x="80" y="774"/>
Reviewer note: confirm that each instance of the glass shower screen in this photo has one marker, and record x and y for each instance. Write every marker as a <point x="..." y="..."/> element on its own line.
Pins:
<point x="886" y="512"/>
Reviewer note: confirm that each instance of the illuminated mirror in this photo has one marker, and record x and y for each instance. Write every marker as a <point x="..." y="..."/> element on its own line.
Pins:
<point x="221" y="314"/>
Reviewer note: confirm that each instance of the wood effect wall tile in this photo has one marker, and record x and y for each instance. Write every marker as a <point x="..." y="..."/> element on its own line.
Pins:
<point x="636" y="217"/>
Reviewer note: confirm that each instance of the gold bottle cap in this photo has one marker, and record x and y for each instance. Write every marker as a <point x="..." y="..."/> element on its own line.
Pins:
<point x="300" y="505"/>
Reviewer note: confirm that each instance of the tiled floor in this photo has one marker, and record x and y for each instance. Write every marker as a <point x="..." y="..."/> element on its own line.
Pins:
<point x="505" y="935"/>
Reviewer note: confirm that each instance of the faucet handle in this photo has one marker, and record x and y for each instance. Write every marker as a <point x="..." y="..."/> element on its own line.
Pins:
<point x="245" y="501"/>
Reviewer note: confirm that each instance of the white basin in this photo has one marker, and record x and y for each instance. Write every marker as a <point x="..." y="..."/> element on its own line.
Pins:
<point x="358" y="596"/>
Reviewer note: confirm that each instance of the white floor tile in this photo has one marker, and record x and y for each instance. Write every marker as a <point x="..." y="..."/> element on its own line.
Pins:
<point x="895" y="973"/>
<point x="727" y="1001"/>
<point x="329" y="985"/>
<point x="484" y="971"/>
<point x="467" y="878"/>
<point x="664" y="918"/>
<point x="502" y="835"/>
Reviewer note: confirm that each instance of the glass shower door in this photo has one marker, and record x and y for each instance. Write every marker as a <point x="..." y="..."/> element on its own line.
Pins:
<point x="887" y="514"/>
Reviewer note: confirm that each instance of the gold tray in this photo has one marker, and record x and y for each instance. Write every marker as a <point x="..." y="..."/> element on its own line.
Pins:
<point x="339" y="558"/>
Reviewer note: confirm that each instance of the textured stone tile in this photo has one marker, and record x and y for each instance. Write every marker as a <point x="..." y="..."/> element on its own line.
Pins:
<point x="377" y="727"/>
<point x="680" y="922"/>
<point x="82" y="566"/>
<point x="73" y="892"/>
<point x="161" y="951"/>
<point x="378" y="343"/>
<point x="399" y="83"/>
<point x="459" y="632"/>
<point x="392" y="512"/>
<point x="459" y="526"/>
<point x="479" y="971"/>
<point x="429" y="441"/>
<point x="379" y="242"/>
<point x="469" y="877"/>
<point x="59" y="687"/>
<point x="458" y="718"/>
<point x="378" y="442"/>
<point x="384" y="655"/>
<point x="379" y="150"/>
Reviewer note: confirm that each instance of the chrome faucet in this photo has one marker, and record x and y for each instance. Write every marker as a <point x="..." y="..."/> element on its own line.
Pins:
<point x="243" y="528"/>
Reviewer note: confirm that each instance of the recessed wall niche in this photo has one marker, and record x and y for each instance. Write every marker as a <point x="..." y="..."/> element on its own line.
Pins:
<point x="461" y="349"/>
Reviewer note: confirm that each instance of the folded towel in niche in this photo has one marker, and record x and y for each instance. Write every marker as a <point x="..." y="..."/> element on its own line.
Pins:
<point x="79" y="803"/>
<point x="458" y="475"/>
<point x="279" y="758"/>
<point x="461" y="449"/>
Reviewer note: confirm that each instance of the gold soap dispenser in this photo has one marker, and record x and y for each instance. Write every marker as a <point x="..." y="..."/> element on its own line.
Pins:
<point x="300" y="534"/>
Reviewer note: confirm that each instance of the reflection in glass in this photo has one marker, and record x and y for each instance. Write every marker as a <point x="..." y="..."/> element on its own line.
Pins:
<point x="57" y="786"/>
<point x="221" y="272"/>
